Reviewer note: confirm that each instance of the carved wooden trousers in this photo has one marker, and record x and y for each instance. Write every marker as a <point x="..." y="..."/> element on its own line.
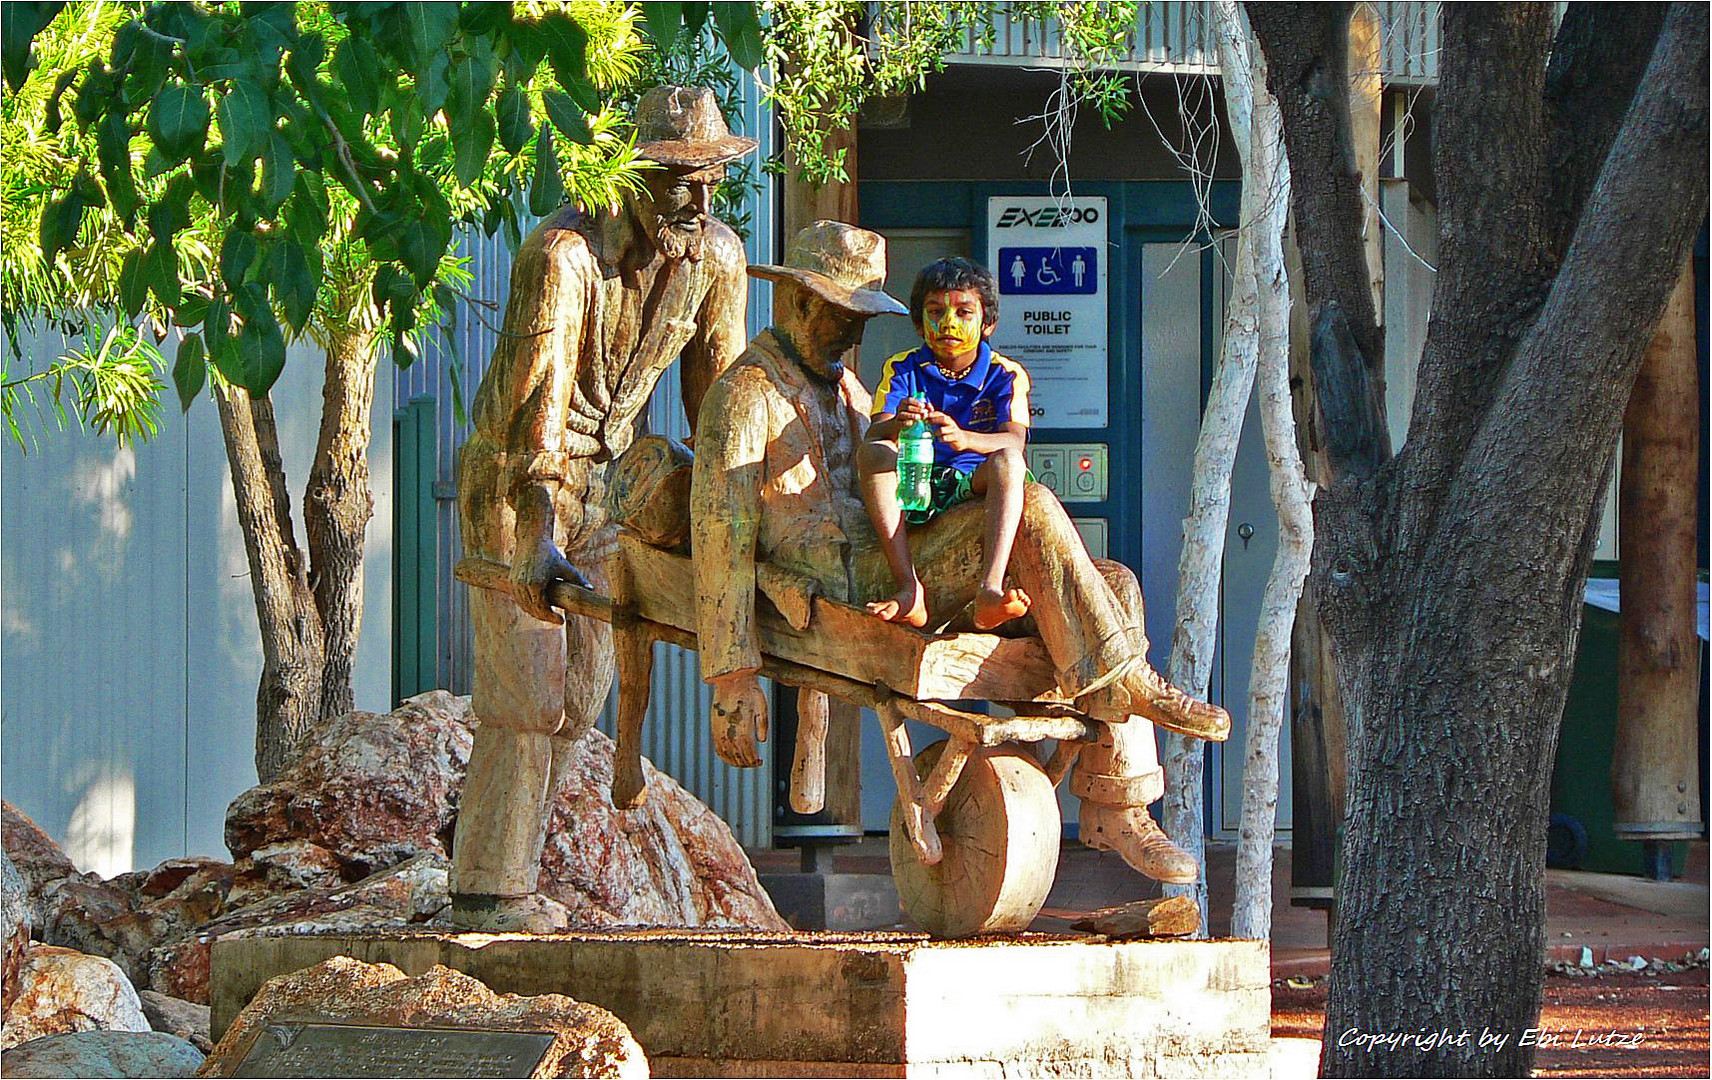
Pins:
<point x="1088" y="612"/>
<point x="538" y="689"/>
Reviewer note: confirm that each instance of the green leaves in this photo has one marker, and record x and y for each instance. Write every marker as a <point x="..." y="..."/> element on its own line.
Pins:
<point x="515" y="125"/>
<point x="189" y="370"/>
<point x="567" y="117"/>
<point x="471" y="144"/>
<point x="278" y="174"/>
<point x="470" y="82"/>
<point x="295" y="279"/>
<point x="567" y="47"/>
<point x="178" y="121"/>
<point x="60" y="221"/>
<point x="245" y="121"/>
<point x="740" y="28"/>
<point x="357" y="68"/>
<point x="427" y="27"/>
<point x="548" y="191"/>
<point x="663" y="19"/>
<point x="22" y="23"/>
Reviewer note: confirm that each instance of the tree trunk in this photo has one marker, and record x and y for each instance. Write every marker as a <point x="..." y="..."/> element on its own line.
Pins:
<point x="1655" y="766"/>
<point x="1265" y="169"/>
<point x="337" y="505"/>
<point x="1201" y="561"/>
<point x="1450" y="578"/>
<point x="288" y="699"/>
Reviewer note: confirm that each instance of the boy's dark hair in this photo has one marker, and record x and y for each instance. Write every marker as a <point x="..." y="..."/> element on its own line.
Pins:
<point x="956" y="272"/>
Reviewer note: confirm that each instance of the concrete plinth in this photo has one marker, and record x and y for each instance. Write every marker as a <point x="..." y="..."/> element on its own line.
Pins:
<point x="724" y="1003"/>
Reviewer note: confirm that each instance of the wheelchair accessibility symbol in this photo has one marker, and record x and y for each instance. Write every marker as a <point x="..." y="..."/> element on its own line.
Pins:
<point x="1048" y="271"/>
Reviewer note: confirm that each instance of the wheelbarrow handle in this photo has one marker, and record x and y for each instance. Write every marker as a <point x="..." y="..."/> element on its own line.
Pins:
<point x="565" y="595"/>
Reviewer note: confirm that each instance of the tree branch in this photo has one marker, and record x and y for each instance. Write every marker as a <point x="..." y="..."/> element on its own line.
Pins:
<point x="1489" y="153"/>
<point x="1307" y="70"/>
<point x="1574" y="371"/>
<point x="1596" y="64"/>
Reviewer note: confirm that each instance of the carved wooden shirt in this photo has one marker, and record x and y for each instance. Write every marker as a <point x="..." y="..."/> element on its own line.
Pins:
<point x="593" y="320"/>
<point x="775" y="482"/>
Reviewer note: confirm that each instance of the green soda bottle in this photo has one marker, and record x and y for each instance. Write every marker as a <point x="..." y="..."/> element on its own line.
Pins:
<point x="915" y="463"/>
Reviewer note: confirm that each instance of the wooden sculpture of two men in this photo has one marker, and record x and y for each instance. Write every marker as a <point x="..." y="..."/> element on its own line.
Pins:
<point x="600" y="306"/>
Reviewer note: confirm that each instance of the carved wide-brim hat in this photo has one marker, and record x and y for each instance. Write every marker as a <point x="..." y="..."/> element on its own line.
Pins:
<point x="842" y="264"/>
<point x="682" y="126"/>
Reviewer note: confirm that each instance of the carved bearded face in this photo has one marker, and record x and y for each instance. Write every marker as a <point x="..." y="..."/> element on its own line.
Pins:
<point x="676" y="208"/>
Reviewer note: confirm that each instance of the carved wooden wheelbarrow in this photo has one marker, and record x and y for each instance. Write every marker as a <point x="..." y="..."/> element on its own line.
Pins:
<point x="975" y="827"/>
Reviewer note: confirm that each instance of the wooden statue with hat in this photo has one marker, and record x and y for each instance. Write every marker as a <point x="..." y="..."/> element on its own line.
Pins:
<point x="601" y="302"/>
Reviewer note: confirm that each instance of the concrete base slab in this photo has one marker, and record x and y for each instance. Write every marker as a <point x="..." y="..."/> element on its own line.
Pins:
<point x="835" y="901"/>
<point x="729" y="1003"/>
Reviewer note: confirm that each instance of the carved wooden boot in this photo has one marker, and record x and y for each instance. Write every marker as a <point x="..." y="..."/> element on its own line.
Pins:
<point x="1131" y="832"/>
<point x="1142" y="691"/>
<point x="531" y="914"/>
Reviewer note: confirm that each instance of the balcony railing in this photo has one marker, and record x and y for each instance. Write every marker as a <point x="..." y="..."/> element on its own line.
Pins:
<point x="1177" y="37"/>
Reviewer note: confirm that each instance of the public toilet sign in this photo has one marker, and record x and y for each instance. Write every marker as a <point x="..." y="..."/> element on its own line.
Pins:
<point x="1050" y="258"/>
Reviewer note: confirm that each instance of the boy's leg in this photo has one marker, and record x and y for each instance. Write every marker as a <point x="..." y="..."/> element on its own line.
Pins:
<point x="999" y="479"/>
<point x="877" y="465"/>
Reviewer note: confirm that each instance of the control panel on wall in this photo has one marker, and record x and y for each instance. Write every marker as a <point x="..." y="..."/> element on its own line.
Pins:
<point x="1076" y="472"/>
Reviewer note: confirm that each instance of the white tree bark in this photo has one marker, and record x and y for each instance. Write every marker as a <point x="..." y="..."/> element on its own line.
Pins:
<point x="1200" y="564"/>
<point x="1266" y="170"/>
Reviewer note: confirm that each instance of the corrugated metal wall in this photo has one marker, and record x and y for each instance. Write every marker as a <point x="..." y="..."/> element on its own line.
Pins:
<point x="129" y="651"/>
<point x="677" y="739"/>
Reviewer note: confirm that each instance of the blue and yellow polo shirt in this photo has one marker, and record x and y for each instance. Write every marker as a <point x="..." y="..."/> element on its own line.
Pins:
<point x="992" y="392"/>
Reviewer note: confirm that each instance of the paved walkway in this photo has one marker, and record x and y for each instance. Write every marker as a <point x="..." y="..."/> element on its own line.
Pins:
<point x="1612" y="916"/>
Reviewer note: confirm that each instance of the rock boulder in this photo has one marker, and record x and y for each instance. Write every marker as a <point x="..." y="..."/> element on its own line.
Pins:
<point x="36" y="857"/>
<point x="669" y="862"/>
<point x="62" y="990"/>
<point x="369" y="790"/>
<point x="590" y="1042"/>
<point x="175" y="1016"/>
<point x="15" y="926"/>
<point x="103" y="1053"/>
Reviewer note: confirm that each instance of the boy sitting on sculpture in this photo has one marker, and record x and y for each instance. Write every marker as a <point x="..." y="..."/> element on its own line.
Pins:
<point x="977" y="402"/>
<point x="775" y="481"/>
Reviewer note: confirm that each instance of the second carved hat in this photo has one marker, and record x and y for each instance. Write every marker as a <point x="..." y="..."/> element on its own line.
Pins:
<point x="842" y="264"/>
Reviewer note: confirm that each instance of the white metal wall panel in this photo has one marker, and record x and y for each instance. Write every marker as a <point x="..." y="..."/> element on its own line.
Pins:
<point x="129" y="651"/>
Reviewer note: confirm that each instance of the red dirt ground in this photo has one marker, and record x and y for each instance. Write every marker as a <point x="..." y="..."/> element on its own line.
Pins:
<point x="1669" y="1009"/>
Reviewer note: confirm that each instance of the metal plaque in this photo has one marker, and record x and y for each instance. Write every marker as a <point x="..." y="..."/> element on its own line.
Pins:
<point x="313" y="1048"/>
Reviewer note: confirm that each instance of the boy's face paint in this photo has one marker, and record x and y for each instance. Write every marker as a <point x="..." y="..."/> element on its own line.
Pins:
<point x="951" y="323"/>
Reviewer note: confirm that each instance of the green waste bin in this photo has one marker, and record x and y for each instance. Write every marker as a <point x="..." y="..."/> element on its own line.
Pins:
<point x="1582" y="834"/>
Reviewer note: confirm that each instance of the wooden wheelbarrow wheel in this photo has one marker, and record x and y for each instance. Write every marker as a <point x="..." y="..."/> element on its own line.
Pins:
<point x="999" y="831"/>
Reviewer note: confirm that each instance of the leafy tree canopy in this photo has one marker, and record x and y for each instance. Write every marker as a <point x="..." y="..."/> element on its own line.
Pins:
<point x="257" y="171"/>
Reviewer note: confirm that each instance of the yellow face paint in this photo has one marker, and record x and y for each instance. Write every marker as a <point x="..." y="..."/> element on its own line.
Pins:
<point x="950" y="336"/>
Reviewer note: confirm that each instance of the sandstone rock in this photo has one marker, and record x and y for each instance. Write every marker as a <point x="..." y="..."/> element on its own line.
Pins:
<point x="670" y="862"/>
<point x="74" y="909"/>
<point x="169" y="875"/>
<point x="371" y="790"/>
<point x="590" y="1041"/>
<point x="412" y="892"/>
<point x="103" y="1053"/>
<point x="15" y="925"/>
<point x="35" y="855"/>
<point x="296" y="864"/>
<point x="175" y="1016"/>
<point x="62" y="991"/>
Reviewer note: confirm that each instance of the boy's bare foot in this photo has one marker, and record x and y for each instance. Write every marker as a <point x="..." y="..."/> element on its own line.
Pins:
<point x="909" y="606"/>
<point x="993" y="608"/>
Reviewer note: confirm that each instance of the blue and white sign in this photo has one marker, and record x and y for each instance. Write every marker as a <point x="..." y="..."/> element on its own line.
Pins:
<point x="1048" y="271"/>
<point x="1050" y="258"/>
